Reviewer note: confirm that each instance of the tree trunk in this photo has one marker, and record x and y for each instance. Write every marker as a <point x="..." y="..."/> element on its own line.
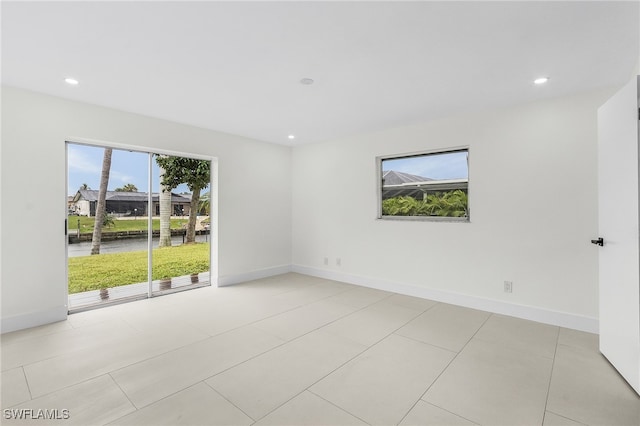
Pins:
<point x="165" y="213"/>
<point x="102" y="203"/>
<point x="193" y="216"/>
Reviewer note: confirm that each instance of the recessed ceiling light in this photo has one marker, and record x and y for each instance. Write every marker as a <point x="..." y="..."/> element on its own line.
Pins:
<point x="541" y="80"/>
<point x="291" y="136"/>
<point x="71" y="81"/>
<point x="306" y="81"/>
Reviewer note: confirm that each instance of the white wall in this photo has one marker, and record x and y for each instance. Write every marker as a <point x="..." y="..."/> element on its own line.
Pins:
<point x="254" y="196"/>
<point x="533" y="199"/>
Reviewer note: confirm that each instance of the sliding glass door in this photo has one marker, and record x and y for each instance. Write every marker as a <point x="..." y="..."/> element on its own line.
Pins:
<point x="135" y="229"/>
<point x="181" y="258"/>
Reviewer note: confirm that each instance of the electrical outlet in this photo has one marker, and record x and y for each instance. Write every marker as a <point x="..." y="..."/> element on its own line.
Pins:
<point x="508" y="286"/>
<point x="338" y="261"/>
<point x="326" y="261"/>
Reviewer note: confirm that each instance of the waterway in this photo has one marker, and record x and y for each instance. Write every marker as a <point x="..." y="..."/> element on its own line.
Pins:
<point x="129" y="244"/>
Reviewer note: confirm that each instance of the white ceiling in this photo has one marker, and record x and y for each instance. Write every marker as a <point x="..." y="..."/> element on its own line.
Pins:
<point x="236" y="66"/>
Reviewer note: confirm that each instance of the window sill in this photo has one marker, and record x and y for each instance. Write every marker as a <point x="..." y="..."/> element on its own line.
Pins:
<point x="425" y="219"/>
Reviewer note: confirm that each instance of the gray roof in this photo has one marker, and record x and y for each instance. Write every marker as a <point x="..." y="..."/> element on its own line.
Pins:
<point x="391" y="177"/>
<point x="395" y="184"/>
<point x="92" y="195"/>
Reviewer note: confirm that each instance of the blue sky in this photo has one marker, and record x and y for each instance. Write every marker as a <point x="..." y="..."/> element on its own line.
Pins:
<point x="85" y="166"/>
<point x="451" y="165"/>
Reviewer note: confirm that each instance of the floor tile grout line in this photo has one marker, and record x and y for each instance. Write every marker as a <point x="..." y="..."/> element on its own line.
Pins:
<point x="304" y="305"/>
<point x="568" y="418"/>
<point x="63" y="354"/>
<point x="261" y="319"/>
<point x="424" y="343"/>
<point x="553" y="365"/>
<point x="339" y="318"/>
<point x="287" y="311"/>
<point x="132" y="326"/>
<point x="305" y="334"/>
<point x="208" y="377"/>
<point x="24" y="374"/>
<point x="284" y="342"/>
<point x="169" y="396"/>
<point x="366" y="348"/>
<point x="123" y="367"/>
<point x="64" y="388"/>
<point x="208" y="337"/>
<point x="308" y="332"/>
<point x="117" y="369"/>
<point x="23" y="366"/>
<point x="142" y="407"/>
<point x="335" y="405"/>
<point x="441" y="408"/>
<point x="368" y="306"/>
<point x="446" y="368"/>
<point x="227" y="399"/>
<point x="173" y="394"/>
<point x="136" y="408"/>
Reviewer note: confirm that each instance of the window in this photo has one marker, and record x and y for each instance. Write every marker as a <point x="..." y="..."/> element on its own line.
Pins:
<point x="424" y="186"/>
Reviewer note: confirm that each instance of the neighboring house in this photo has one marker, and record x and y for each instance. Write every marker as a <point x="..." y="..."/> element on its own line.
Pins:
<point x="128" y="203"/>
<point x="396" y="184"/>
<point x="71" y="207"/>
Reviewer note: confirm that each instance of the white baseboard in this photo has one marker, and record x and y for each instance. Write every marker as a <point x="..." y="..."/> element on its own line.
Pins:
<point x="546" y="316"/>
<point x="34" y="319"/>
<point x="253" y="275"/>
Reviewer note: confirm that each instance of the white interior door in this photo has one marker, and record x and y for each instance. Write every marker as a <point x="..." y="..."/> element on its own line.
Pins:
<point x="619" y="257"/>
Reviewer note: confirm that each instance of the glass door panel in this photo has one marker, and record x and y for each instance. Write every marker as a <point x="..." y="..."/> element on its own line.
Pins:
<point x="110" y="264"/>
<point x="181" y="253"/>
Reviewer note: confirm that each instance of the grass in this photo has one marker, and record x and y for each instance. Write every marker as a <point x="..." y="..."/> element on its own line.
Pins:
<point x="116" y="269"/>
<point x="140" y="224"/>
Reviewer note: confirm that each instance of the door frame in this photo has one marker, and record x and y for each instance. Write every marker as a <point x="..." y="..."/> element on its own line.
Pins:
<point x="213" y="203"/>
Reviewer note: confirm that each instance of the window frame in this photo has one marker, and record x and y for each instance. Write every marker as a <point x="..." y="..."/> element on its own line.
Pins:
<point x="379" y="186"/>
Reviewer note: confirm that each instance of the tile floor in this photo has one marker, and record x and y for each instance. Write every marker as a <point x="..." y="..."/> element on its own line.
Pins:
<point x="299" y="350"/>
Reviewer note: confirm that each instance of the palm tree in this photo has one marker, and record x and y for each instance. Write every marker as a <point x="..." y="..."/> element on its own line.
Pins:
<point x="165" y="212"/>
<point x="84" y="186"/>
<point x="102" y="204"/>
<point x="205" y="203"/>
<point x="128" y="188"/>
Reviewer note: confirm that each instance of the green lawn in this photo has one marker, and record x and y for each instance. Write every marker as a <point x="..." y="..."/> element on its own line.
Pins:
<point x="116" y="269"/>
<point x="140" y="224"/>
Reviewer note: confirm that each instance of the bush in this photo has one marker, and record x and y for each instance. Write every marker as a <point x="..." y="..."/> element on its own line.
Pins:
<point x="445" y="204"/>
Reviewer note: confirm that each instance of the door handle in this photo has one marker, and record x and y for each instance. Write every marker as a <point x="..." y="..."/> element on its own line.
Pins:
<point x="598" y="242"/>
